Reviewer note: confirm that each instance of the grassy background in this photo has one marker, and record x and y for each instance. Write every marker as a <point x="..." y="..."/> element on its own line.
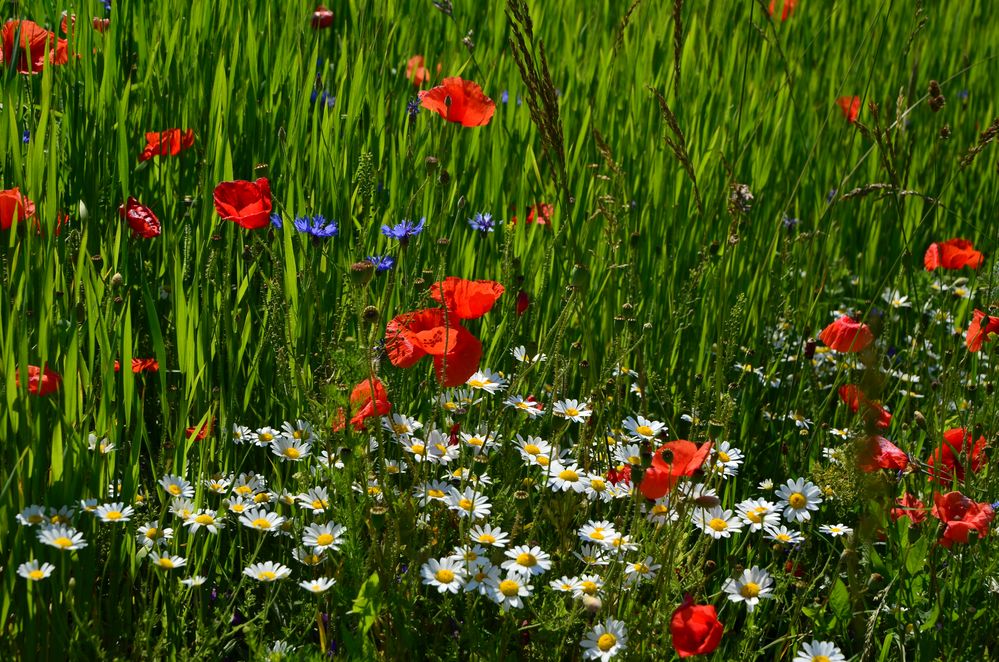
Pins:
<point x="260" y="327"/>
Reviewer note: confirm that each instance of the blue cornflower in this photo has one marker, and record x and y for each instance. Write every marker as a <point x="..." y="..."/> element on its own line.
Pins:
<point x="789" y="222"/>
<point x="505" y="97"/>
<point x="107" y="5"/>
<point x="316" y="226"/>
<point x="831" y="195"/>
<point x="404" y="230"/>
<point x="26" y="136"/>
<point x="382" y="262"/>
<point x="482" y="222"/>
<point x="324" y="98"/>
<point x="413" y="109"/>
<point x="276" y="221"/>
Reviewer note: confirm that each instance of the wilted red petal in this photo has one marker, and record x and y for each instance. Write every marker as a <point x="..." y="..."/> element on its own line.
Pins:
<point x="909" y="506"/>
<point x="879" y="453"/>
<point x="460" y="101"/>
<point x="141" y="219"/>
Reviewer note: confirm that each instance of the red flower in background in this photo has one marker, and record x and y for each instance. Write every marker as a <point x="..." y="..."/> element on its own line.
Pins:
<point x="170" y="142"/>
<point x="460" y="101"/>
<point x="786" y="10"/>
<point x="850" y="107"/>
<point x="416" y="72"/>
<point x="101" y="24"/>
<point x="622" y="474"/>
<point x="466" y="299"/>
<point x="321" y="18"/>
<point x="248" y="204"/>
<point x="685" y="458"/>
<point x="40" y="381"/>
<point x="193" y="433"/>
<point x="952" y="254"/>
<point x="879" y="453"/>
<point x="980" y="330"/>
<point x="946" y="462"/>
<point x="14" y="206"/>
<point x="873" y="411"/>
<point x="846" y="335"/>
<point x="961" y="516"/>
<point x="909" y="506"/>
<point x="140" y="365"/>
<point x="696" y="629"/>
<point x="140" y="218"/>
<point x="368" y="399"/>
<point x="34" y="42"/>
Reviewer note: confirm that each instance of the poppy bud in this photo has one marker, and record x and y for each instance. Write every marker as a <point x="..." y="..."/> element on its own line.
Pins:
<point x="635" y="238"/>
<point x="592" y="603"/>
<point x="469" y="44"/>
<point x="810" y="349"/>
<point x="443" y="241"/>
<point x="370" y="315"/>
<point x="431" y="162"/>
<point x="361" y="273"/>
<point x="117" y="280"/>
<point x="378" y="517"/>
<point x="710" y="566"/>
<point x="920" y="419"/>
<point x="707" y="501"/>
<point x="461" y="203"/>
<point x="444" y="177"/>
<point x="934" y="88"/>
<point x="580" y="277"/>
<point x="83" y="211"/>
<point x="945" y="132"/>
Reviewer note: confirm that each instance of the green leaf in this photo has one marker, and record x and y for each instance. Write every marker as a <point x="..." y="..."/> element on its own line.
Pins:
<point x="839" y="601"/>
<point x="367" y="604"/>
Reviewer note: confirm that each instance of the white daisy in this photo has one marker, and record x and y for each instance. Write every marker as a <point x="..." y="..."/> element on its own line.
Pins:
<point x="152" y="535"/>
<point x="114" y="512"/>
<point x="572" y="410"/>
<point x="591" y="585"/>
<point x="599" y="532"/>
<point x="836" y="530"/>
<point x="605" y="640"/>
<point x="468" y="504"/>
<point x="446" y="575"/>
<point x="290" y="448"/>
<point x="716" y="522"/>
<point x="641" y="571"/>
<point x="758" y="513"/>
<point x="819" y="651"/>
<point x="798" y="497"/>
<point x="480" y="580"/>
<point x="400" y="425"/>
<point x="62" y="537"/>
<point x="261" y="520"/>
<point x="783" y="535"/>
<point x="527" y="560"/>
<point x="207" y="519"/>
<point x="643" y="429"/>
<point x="267" y="571"/>
<point x="520" y="353"/>
<point x="320" y="585"/>
<point x="509" y="591"/>
<point x="564" y="584"/>
<point x="167" y="561"/>
<point x="193" y="581"/>
<point x="177" y="486"/>
<point x="488" y="381"/>
<point x="566" y="477"/>
<point x="530" y="407"/>
<point x="316" y="499"/>
<point x="727" y="460"/>
<point x="32" y="571"/>
<point x="486" y="534"/>
<point x="753" y="585"/>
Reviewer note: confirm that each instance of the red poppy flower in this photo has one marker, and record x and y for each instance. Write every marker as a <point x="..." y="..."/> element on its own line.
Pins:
<point x="14" y="206"/>
<point x="101" y="24"/>
<point x="460" y="101"/>
<point x="416" y="72"/>
<point x="952" y="254"/>
<point x="980" y="330"/>
<point x="195" y="434"/>
<point x="456" y="352"/>
<point x="466" y="299"/>
<point x="322" y="18"/>
<point x="696" y="629"/>
<point x="879" y="453"/>
<point x="523" y="302"/>
<point x="248" y="204"/>
<point x="850" y="107"/>
<point x="140" y="365"/>
<point x="34" y="42"/>
<point x="170" y="142"/>
<point x="947" y="461"/>
<point x="368" y="402"/>
<point x="873" y="411"/>
<point x="786" y="11"/>
<point x="40" y="381"/>
<point x="909" y="506"/>
<point x="685" y="457"/>
<point x="140" y="218"/>
<point x="846" y="335"/>
<point x="961" y="516"/>
<point x="622" y="474"/>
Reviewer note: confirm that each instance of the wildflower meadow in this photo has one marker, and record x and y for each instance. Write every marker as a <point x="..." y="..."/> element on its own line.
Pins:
<point x="499" y="330"/>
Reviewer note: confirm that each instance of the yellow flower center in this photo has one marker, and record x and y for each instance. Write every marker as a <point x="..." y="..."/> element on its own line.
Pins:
<point x="568" y="475"/>
<point x="797" y="500"/>
<point x="755" y="515"/>
<point x="437" y="494"/>
<point x="659" y="509"/>
<point x="523" y="405"/>
<point x="597" y="534"/>
<point x="35" y="519"/>
<point x="174" y="489"/>
<point x="606" y="641"/>
<point x="634" y="459"/>
<point x="204" y="518"/>
<point x="261" y="523"/>
<point x="63" y="541"/>
<point x="165" y="563"/>
<point x="527" y="560"/>
<point x="465" y="504"/>
<point x="243" y="490"/>
<point x="417" y="449"/>
<point x="598" y="485"/>
<point x="113" y="515"/>
<point x="237" y="507"/>
<point x="783" y="537"/>
<point x="718" y="524"/>
<point x="571" y="411"/>
<point x="263" y="497"/>
<point x="392" y="469"/>
<point x="311" y="559"/>
<point x="475" y="441"/>
<point x="317" y="504"/>
<point x="589" y="588"/>
<point x="444" y="576"/>
<point x="509" y="588"/>
<point x="724" y="457"/>
<point x="266" y="436"/>
<point x="152" y="533"/>
<point x="400" y="428"/>
<point x="476" y="383"/>
<point x="267" y="575"/>
<point x="487" y="539"/>
<point x="374" y="490"/>
<point x="441" y="447"/>
<point x="292" y="453"/>
<point x="644" y="430"/>
<point x="324" y="539"/>
<point x="542" y="461"/>
<point x="820" y="658"/>
<point x="640" y="568"/>
<point x="36" y="575"/>
<point x="450" y="406"/>
<point x="749" y="590"/>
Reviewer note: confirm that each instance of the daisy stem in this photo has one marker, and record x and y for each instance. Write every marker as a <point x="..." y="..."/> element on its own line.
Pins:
<point x="322" y="628"/>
